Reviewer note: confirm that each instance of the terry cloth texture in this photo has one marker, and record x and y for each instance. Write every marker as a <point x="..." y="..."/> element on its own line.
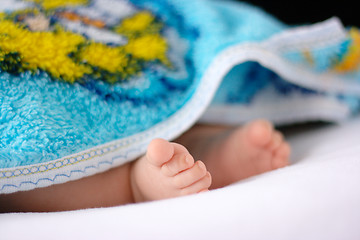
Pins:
<point x="86" y="84"/>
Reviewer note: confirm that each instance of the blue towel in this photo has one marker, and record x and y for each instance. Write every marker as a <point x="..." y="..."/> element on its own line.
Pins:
<point x="86" y="84"/>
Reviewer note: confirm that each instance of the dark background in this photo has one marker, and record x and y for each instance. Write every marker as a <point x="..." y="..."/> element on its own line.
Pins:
<point x="303" y="12"/>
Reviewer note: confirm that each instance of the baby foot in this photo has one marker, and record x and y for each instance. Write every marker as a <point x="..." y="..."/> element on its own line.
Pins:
<point x="167" y="170"/>
<point x="250" y="150"/>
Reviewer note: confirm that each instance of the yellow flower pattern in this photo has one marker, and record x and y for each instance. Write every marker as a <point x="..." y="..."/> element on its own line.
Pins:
<point x="53" y="4"/>
<point x="148" y="47"/>
<point x="47" y="51"/>
<point x="351" y="60"/>
<point x="32" y="44"/>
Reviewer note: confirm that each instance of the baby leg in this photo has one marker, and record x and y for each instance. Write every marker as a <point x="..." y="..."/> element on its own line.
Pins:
<point x="105" y="189"/>
<point x="167" y="170"/>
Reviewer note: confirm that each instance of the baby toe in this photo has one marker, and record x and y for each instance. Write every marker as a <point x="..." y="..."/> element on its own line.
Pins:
<point x="177" y="164"/>
<point x="275" y="142"/>
<point x="281" y="156"/>
<point x="190" y="176"/>
<point x="201" y="185"/>
<point x="260" y="132"/>
<point x="159" y="152"/>
<point x="284" y="150"/>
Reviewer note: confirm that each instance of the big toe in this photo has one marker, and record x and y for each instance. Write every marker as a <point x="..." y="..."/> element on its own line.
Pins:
<point x="260" y="132"/>
<point x="159" y="152"/>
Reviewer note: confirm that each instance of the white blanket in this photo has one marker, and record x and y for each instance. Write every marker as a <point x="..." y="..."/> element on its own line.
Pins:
<point x="317" y="197"/>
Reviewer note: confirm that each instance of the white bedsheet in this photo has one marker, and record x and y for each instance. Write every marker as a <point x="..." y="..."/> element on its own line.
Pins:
<point x="317" y="197"/>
